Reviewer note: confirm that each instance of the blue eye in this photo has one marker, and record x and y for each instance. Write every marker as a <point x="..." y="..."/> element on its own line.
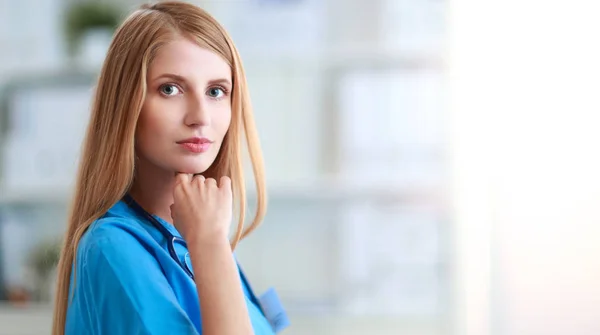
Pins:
<point x="216" y="92"/>
<point x="169" y="89"/>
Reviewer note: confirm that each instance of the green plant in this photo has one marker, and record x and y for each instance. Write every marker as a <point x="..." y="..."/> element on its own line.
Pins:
<point x="44" y="257"/>
<point x="85" y="15"/>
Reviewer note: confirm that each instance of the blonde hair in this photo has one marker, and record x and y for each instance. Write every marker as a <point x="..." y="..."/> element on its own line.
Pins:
<point x="106" y="168"/>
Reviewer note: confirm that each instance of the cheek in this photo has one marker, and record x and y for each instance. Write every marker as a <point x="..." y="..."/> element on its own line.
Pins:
<point x="152" y="125"/>
<point x="221" y="122"/>
<point x="158" y="117"/>
<point x="147" y="130"/>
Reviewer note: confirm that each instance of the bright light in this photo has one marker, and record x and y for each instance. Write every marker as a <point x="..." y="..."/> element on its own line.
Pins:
<point x="525" y="96"/>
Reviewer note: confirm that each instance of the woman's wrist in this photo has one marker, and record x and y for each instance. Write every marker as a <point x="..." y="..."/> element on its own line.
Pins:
<point x="203" y="244"/>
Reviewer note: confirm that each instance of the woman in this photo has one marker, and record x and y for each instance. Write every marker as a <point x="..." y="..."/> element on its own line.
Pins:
<point x="164" y="139"/>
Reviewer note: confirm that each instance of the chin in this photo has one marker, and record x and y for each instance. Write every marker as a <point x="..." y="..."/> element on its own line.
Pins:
<point x="193" y="167"/>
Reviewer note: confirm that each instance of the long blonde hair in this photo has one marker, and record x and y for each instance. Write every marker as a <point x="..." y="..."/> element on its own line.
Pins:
<point x="106" y="168"/>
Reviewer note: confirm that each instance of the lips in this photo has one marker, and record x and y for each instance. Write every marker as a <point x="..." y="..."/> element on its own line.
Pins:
<point x="196" y="144"/>
<point x="195" y="140"/>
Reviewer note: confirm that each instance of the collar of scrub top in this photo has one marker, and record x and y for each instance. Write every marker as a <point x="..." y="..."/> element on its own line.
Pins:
<point x="172" y="240"/>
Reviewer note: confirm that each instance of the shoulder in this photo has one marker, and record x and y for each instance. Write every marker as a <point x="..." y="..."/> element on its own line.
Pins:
<point x="119" y="283"/>
<point x="112" y="235"/>
<point x="111" y="252"/>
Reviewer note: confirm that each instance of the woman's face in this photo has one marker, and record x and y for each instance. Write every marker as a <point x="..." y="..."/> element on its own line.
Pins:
<point x="187" y="110"/>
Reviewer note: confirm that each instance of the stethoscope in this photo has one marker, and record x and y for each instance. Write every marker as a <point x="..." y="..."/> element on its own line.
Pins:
<point x="172" y="240"/>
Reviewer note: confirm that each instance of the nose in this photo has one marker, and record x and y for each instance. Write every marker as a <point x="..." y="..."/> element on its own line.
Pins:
<point x="197" y="113"/>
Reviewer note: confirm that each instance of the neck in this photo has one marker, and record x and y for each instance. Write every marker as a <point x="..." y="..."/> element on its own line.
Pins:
<point x="153" y="189"/>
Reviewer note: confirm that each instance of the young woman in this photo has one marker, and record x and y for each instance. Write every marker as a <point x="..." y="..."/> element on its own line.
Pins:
<point x="162" y="164"/>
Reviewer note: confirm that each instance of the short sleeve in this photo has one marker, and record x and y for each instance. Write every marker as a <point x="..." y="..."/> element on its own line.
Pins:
<point x="120" y="289"/>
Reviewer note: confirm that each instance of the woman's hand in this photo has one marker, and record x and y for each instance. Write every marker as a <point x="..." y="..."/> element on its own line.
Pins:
<point x="202" y="210"/>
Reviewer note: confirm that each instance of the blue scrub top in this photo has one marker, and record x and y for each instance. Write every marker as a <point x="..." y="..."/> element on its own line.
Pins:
<point x="127" y="283"/>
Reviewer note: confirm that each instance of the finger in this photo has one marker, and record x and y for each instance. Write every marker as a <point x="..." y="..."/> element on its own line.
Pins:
<point x="210" y="182"/>
<point x="182" y="178"/>
<point x="198" y="180"/>
<point x="225" y="183"/>
<point x="182" y="182"/>
<point x="225" y="189"/>
<point x="172" y="211"/>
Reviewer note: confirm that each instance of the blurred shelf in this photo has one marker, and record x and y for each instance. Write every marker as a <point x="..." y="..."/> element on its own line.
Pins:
<point x="37" y="319"/>
<point x="348" y="192"/>
<point x="347" y="57"/>
<point x="37" y="308"/>
<point x="306" y="192"/>
<point x="21" y="196"/>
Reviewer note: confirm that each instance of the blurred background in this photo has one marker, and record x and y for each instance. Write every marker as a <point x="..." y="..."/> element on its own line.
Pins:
<point x="431" y="164"/>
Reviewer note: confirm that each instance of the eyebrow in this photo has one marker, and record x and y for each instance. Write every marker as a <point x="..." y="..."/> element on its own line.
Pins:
<point x="220" y="81"/>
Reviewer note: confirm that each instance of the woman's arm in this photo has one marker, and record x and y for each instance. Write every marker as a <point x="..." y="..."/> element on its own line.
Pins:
<point x="202" y="213"/>
<point x="222" y="305"/>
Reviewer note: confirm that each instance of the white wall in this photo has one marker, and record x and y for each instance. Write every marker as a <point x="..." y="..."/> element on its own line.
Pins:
<point x="30" y="36"/>
<point x="524" y="88"/>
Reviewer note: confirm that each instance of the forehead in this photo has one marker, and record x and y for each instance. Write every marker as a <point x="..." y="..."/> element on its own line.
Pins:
<point x="188" y="59"/>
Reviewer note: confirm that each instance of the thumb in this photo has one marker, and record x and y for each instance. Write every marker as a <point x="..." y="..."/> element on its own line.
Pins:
<point x="172" y="212"/>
